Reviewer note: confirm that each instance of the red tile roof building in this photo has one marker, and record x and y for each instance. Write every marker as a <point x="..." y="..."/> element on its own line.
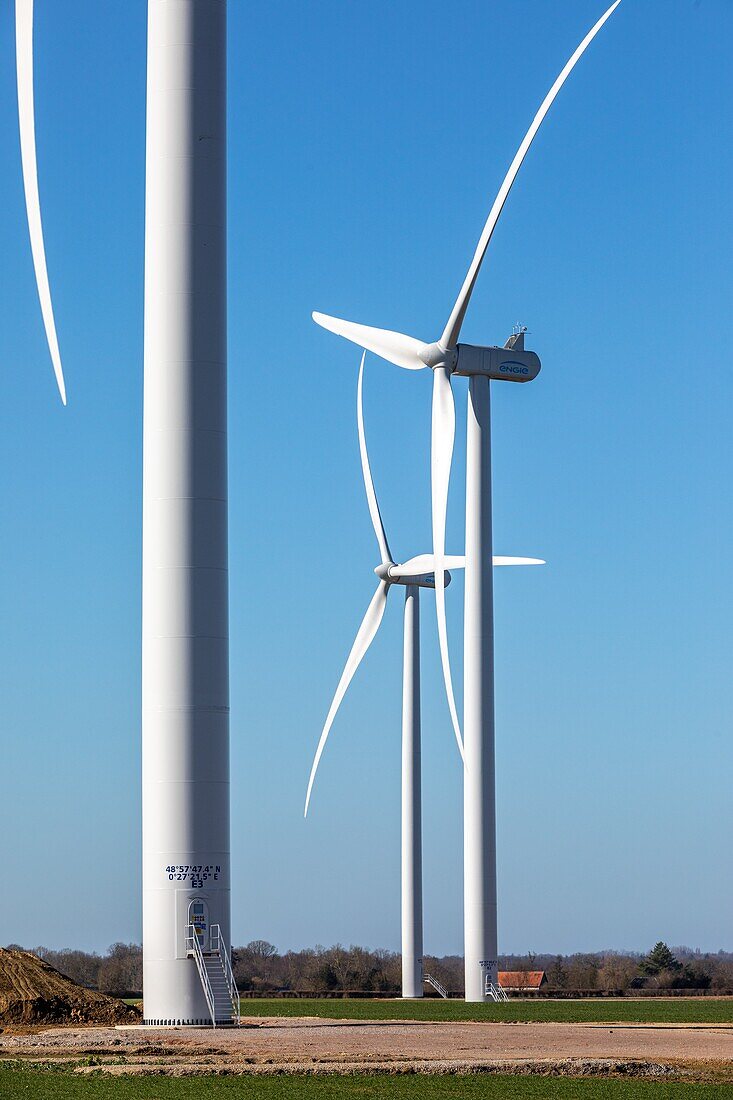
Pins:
<point x="523" y="981"/>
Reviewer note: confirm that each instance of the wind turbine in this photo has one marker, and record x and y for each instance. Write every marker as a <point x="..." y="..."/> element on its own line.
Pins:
<point x="185" y="720"/>
<point x="27" y="128"/>
<point x="447" y="357"/>
<point x="414" y="574"/>
<point x="187" y="975"/>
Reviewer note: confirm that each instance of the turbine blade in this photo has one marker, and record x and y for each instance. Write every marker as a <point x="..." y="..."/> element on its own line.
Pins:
<point x="26" y="121"/>
<point x="403" y="351"/>
<point x="502" y="560"/>
<point x="453" y="327"/>
<point x="441" y="446"/>
<point x="366" y="471"/>
<point x="414" y="567"/>
<point x="364" y="638"/>
<point x="425" y="563"/>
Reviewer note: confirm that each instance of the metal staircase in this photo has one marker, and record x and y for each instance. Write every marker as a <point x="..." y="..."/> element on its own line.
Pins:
<point x="495" y="991"/>
<point x="217" y="978"/>
<point x="435" y="984"/>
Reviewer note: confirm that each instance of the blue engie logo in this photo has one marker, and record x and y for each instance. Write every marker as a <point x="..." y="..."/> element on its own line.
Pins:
<point x="513" y="368"/>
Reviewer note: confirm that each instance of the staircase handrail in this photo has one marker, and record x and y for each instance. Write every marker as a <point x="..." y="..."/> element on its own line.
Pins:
<point x="194" y="947"/>
<point x="435" y="984"/>
<point x="228" y="971"/>
<point x="495" y="991"/>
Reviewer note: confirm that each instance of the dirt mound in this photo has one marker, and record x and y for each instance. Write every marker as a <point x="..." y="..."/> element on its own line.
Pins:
<point x="32" y="992"/>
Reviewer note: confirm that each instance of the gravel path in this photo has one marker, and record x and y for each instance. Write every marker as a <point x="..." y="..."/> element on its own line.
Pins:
<point x="315" y="1045"/>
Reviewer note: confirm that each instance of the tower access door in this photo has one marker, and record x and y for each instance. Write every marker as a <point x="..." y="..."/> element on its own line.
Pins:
<point x="198" y="919"/>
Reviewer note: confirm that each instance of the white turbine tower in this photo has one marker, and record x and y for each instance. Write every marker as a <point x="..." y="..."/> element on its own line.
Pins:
<point x="185" y="719"/>
<point x="26" y="122"/>
<point x="186" y="902"/>
<point x="413" y="575"/>
<point x="446" y="356"/>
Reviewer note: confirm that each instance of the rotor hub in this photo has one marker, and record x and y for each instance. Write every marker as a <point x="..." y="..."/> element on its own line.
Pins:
<point x="419" y="580"/>
<point x="436" y="356"/>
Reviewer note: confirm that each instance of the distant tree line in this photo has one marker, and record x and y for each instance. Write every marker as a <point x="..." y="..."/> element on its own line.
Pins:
<point x="260" y="969"/>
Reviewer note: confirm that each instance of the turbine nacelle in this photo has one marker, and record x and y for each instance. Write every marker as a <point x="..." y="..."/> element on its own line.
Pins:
<point x="508" y="364"/>
<point x="501" y="364"/>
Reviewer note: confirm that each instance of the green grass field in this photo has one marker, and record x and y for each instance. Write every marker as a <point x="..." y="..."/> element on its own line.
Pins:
<point x="29" y="1084"/>
<point x="674" y="1010"/>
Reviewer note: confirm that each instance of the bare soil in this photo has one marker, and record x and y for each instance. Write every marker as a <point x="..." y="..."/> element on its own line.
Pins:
<point x="337" y="1046"/>
<point x="32" y="992"/>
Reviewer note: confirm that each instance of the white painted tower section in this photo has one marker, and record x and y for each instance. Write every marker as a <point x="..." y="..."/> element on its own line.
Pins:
<point x="185" y="593"/>
<point x="412" y="932"/>
<point x="479" y="797"/>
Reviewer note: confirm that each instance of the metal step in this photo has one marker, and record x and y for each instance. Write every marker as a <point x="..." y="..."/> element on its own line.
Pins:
<point x="224" y="1008"/>
<point x="217" y="977"/>
<point x="495" y="991"/>
<point x="435" y="984"/>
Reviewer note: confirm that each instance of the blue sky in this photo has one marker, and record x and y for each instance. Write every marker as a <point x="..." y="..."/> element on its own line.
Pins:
<point x="366" y="144"/>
